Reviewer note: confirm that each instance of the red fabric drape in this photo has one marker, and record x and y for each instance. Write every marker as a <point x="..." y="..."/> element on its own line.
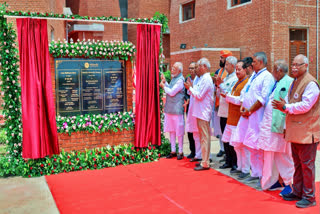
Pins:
<point x="147" y="122"/>
<point x="38" y="109"/>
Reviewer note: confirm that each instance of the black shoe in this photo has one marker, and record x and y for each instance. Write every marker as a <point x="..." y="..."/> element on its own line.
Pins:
<point x="171" y="155"/>
<point x="199" y="168"/>
<point x="198" y="164"/>
<point x="243" y="176"/>
<point x="220" y="153"/>
<point x="234" y="170"/>
<point x="304" y="203"/>
<point x="195" y="160"/>
<point x="225" y="166"/>
<point x="291" y="197"/>
<point x="180" y="156"/>
<point x="190" y="156"/>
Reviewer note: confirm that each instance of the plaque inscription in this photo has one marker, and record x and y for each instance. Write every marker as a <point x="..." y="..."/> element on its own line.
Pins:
<point x="89" y="86"/>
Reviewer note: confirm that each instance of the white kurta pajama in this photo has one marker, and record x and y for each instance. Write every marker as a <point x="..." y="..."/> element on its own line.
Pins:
<point x="203" y="104"/>
<point x="257" y="89"/>
<point x="243" y="154"/>
<point x="191" y="123"/>
<point x="277" y="157"/>
<point x="173" y="123"/>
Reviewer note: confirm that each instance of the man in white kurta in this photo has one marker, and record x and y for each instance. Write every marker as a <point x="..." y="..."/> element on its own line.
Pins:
<point x="203" y="104"/>
<point x="277" y="158"/>
<point x="253" y="98"/>
<point x="174" y="111"/>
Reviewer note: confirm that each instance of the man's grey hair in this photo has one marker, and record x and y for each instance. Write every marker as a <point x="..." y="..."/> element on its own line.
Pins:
<point x="261" y="56"/>
<point x="283" y="65"/>
<point x="205" y="61"/>
<point x="232" y="60"/>
<point x="305" y="59"/>
<point x="179" y="65"/>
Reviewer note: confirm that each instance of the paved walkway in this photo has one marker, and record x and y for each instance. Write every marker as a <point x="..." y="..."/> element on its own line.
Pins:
<point x="32" y="195"/>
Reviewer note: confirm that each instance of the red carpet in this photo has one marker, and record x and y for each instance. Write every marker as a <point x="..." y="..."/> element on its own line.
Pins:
<point x="166" y="186"/>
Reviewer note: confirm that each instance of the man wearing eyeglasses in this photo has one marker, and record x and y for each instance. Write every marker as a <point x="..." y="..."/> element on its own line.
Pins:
<point x="302" y="107"/>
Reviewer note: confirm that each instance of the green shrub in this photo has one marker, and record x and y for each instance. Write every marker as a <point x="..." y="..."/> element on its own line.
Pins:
<point x="3" y="136"/>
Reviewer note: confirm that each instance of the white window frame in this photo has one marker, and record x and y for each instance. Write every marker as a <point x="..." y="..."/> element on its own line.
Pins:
<point x="181" y="12"/>
<point x="229" y="4"/>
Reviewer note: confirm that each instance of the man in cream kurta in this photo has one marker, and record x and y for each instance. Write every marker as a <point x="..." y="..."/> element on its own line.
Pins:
<point x="203" y="104"/>
<point x="277" y="158"/>
<point x="253" y="99"/>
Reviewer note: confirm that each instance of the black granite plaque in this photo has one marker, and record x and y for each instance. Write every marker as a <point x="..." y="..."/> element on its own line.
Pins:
<point x="91" y="90"/>
<point x="114" y="98"/>
<point x="90" y="86"/>
<point x="68" y="95"/>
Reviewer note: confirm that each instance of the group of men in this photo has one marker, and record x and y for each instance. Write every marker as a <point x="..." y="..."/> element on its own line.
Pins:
<point x="268" y="123"/>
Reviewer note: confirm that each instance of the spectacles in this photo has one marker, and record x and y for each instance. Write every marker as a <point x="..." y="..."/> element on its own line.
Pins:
<point x="297" y="65"/>
<point x="191" y="68"/>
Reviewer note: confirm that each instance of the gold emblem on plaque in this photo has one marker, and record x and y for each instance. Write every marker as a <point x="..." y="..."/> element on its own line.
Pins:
<point x="86" y="65"/>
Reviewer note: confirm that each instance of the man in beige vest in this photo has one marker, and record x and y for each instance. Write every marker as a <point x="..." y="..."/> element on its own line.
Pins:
<point x="302" y="130"/>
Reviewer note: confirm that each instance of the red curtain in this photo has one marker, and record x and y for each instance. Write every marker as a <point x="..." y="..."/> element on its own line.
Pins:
<point x="147" y="122"/>
<point x="38" y="109"/>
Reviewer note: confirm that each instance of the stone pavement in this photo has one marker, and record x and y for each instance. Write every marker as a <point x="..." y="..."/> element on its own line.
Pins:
<point x="32" y="195"/>
<point x="26" y="195"/>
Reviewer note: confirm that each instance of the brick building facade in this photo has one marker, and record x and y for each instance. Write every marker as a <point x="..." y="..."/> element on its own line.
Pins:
<point x="56" y="29"/>
<point x="147" y="9"/>
<point x="272" y="26"/>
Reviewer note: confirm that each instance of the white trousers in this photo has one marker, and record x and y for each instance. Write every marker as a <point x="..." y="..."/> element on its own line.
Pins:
<point x="196" y="137"/>
<point x="243" y="158"/>
<point x="173" y="142"/>
<point x="275" y="164"/>
<point x="256" y="159"/>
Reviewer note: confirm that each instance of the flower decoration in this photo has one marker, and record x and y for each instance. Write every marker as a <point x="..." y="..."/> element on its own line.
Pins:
<point x="115" y="50"/>
<point x="78" y="17"/>
<point x="98" y="123"/>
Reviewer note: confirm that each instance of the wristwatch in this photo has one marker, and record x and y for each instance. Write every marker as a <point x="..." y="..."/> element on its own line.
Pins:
<point x="284" y="107"/>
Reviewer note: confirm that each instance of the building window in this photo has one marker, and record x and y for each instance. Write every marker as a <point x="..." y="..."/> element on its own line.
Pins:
<point x="188" y="10"/>
<point x="238" y="2"/>
<point x="298" y="43"/>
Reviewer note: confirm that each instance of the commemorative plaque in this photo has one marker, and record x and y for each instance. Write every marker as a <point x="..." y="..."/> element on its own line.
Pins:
<point x="89" y="86"/>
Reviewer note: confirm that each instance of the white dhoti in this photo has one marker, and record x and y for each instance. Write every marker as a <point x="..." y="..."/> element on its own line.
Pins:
<point x="275" y="164"/>
<point x="251" y="141"/>
<point x="277" y="152"/>
<point x="243" y="154"/>
<point x="243" y="158"/>
<point x="174" y="124"/>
